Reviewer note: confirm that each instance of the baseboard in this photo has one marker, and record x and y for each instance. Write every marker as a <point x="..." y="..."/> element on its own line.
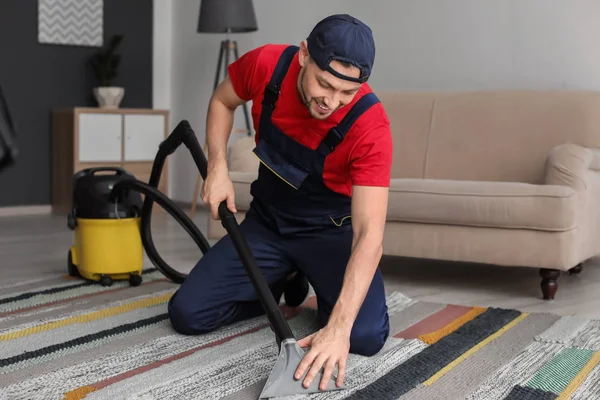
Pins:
<point x="15" y="211"/>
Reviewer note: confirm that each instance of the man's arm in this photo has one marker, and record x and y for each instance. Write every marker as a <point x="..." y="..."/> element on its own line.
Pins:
<point x="218" y="187"/>
<point x="369" y="210"/>
<point x="219" y="123"/>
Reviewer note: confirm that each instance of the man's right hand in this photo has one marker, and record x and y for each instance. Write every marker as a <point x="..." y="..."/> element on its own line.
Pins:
<point x="217" y="188"/>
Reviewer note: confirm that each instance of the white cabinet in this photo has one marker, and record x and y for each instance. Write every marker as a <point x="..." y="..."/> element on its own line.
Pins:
<point x="100" y="137"/>
<point x="84" y="137"/>
<point x="143" y="135"/>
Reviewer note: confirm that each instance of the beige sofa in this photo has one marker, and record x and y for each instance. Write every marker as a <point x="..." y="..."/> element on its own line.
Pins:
<point x="508" y="178"/>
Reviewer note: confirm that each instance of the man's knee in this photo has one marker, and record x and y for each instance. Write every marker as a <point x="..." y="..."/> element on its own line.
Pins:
<point x="189" y="320"/>
<point x="368" y="339"/>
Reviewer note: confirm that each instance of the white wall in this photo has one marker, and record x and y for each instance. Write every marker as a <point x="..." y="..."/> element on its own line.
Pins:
<point x="421" y="45"/>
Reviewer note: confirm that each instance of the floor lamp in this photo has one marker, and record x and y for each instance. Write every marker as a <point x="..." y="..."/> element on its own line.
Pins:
<point x="225" y="16"/>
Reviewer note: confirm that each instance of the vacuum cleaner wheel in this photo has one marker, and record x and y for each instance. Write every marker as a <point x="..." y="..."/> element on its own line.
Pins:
<point x="106" y="280"/>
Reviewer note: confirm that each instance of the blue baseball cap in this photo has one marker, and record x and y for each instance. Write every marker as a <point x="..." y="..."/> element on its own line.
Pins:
<point x="344" y="38"/>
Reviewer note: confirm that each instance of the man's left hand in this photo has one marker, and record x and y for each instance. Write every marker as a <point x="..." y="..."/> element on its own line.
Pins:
<point x="329" y="347"/>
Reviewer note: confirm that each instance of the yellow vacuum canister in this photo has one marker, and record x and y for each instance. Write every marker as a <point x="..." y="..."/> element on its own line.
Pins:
<point x="107" y="243"/>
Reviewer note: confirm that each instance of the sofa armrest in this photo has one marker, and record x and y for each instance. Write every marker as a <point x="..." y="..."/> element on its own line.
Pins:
<point x="569" y="165"/>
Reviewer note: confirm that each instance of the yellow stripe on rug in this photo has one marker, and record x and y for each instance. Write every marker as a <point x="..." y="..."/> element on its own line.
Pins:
<point x="108" y="312"/>
<point x="432" y="337"/>
<point x="79" y="393"/>
<point x="580" y="377"/>
<point x="474" y="349"/>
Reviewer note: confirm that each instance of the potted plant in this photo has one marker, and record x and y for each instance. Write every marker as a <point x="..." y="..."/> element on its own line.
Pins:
<point x="105" y="65"/>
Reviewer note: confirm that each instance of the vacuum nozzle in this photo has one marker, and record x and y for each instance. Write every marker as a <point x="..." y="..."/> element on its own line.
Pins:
<point x="281" y="381"/>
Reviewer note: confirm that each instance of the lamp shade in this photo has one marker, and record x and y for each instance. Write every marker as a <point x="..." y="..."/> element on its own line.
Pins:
<point x="222" y="16"/>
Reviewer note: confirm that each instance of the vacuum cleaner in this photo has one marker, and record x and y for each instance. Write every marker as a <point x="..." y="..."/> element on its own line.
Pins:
<point x="107" y="207"/>
<point x="107" y="245"/>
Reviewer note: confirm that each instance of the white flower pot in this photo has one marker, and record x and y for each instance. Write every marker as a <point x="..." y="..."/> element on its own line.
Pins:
<point x="109" y="97"/>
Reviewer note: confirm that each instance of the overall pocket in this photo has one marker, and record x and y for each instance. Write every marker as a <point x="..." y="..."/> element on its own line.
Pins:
<point x="286" y="169"/>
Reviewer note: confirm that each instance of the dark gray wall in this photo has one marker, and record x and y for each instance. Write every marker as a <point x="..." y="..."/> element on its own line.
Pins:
<point x="39" y="77"/>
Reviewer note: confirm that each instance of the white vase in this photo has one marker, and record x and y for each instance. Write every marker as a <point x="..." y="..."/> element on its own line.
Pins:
<point x="109" y="97"/>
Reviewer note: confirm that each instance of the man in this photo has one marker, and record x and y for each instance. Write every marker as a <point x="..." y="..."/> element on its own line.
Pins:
<point x="320" y="199"/>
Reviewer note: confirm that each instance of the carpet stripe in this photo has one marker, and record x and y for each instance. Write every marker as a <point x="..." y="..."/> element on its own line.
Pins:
<point x="73" y="293"/>
<point x="412" y="314"/>
<point x="54" y="290"/>
<point x="81" y="305"/>
<point x="434" y="322"/>
<point x="82" y="340"/>
<point x="77" y="310"/>
<point x="425" y="364"/>
<point x="580" y="377"/>
<point x="92" y="352"/>
<point x="556" y="374"/>
<point x="64" y="334"/>
<point x="467" y="376"/>
<point x="87" y="317"/>
<point x="590" y="387"/>
<point x="528" y="393"/>
<point x="516" y="372"/>
<point x="34" y="285"/>
<point x="474" y="349"/>
<point x="431" y="338"/>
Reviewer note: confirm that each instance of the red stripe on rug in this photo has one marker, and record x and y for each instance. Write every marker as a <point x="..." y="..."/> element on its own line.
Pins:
<point x="80" y="392"/>
<point x="83" y="296"/>
<point x="129" y="374"/>
<point x="434" y="322"/>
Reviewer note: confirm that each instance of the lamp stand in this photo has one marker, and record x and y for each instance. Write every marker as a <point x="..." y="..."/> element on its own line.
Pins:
<point x="226" y="46"/>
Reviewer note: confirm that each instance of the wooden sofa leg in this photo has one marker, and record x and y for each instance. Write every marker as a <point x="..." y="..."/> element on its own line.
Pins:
<point x="576" y="269"/>
<point x="549" y="285"/>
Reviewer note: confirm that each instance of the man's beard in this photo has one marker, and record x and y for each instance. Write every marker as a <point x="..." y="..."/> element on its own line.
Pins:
<point x="301" y="91"/>
<point x="308" y="102"/>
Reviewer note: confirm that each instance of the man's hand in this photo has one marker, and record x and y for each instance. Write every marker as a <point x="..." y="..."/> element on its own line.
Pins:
<point x="216" y="189"/>
<point x="218" y="186"/>
<point x="329" y="347"/>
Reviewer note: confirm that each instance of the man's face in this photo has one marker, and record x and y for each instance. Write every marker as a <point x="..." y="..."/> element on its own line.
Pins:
<point x="321" y="92"/>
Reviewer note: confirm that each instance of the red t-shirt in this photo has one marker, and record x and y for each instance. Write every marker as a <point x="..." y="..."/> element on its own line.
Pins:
<point x="363" y="158"/>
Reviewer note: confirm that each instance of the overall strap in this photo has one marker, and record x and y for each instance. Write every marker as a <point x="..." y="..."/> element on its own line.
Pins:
<point x="337" y="133"/>
<point x="272" y="89"/>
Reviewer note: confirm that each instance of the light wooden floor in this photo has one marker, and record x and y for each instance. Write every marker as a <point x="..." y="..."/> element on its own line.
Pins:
<point x="36" y="247"/>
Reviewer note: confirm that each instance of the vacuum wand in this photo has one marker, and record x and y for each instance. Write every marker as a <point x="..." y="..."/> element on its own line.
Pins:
<point x="275" y="315"/>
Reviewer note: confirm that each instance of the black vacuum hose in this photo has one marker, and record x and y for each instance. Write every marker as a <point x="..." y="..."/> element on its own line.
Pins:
<point x="181" y="134"/>
<point x="153" y="195"/>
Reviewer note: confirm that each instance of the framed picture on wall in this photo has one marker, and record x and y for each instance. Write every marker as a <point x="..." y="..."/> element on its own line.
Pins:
<point x="71" y="22"/>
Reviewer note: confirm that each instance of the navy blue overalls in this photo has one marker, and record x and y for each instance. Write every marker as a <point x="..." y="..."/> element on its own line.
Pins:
<point x="294" y="223"/>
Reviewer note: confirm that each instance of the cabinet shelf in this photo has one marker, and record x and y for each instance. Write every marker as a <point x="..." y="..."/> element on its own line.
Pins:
<point x="90" y="137"/>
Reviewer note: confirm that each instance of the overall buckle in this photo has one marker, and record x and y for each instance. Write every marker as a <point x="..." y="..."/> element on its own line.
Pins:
<point x="333" y="138"/>
<point x="270" y="96"/>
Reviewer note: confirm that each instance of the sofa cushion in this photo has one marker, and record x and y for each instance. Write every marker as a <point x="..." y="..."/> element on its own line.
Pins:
<point x="485" y="204"/>
<point x="240" y="156"/>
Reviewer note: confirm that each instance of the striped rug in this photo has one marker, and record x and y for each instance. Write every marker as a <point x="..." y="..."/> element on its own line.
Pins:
<point x="65" y="339"/>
